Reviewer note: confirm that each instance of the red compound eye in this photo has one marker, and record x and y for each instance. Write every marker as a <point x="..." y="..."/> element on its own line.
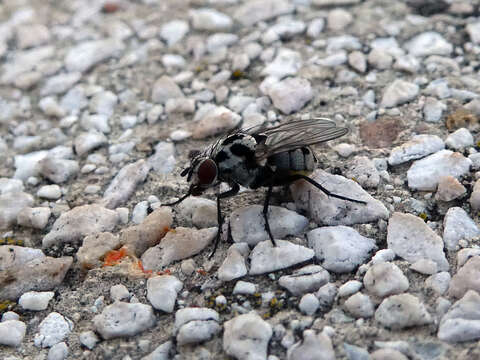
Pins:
<point x="207" y="172"/>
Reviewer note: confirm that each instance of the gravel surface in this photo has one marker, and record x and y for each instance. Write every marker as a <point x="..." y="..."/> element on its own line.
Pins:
<point x="101" y="103"/>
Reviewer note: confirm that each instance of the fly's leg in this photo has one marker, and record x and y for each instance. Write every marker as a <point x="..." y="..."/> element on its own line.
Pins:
<point x="233" y="191"/>
<point x="265" y="214"/>
<point x="320" y="187"/>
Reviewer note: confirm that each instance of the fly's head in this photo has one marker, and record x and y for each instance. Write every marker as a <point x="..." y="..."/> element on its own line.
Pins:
<point x="201" y="174"/>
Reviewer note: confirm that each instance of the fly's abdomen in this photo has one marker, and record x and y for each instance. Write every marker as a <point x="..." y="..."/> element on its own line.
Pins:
<point x="298" y="161"/>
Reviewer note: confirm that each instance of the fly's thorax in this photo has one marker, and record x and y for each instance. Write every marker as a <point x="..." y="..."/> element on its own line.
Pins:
<point x="297" y="161"/>
<point x="235" y="158"/>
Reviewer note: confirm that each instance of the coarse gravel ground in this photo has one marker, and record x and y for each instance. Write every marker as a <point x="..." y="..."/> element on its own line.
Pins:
<point x="88" y="88"/>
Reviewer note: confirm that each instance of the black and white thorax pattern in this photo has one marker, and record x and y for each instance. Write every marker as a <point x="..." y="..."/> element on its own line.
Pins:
<point x="237" y="160"/>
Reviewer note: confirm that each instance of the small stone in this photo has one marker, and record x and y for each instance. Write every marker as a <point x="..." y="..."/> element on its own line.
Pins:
<point x="234" y="267"/>
<point x="411" y="239"/>
<point x="177" y="245"/>
<point x="313" y="346"/>
<point x="140" y="212"/>
<point x="433" y="109"/>
<point x="88" y="339"/>
<point x="216" y="120"/>
<point x="402" y="311"/>
<point x="458" y="225"/>
<point x="51" y="192"/>
<point x="11" y="204"/>
<point x="247" y="224"/>
<point x="340" y="248"/>
<point x="50" y="107"/>
<point x="344" y="149"/>
<point x="308" y="304"/>
<point x="60" y="84"/>
<point x="141" y="237"/>
<point x="459" y="139"/>
<point x="161" y="352"/>
<point x="383" y="255"/>
<point x="284" y="30"/>
<point x="163" y="160"/>
<point x="363" y="170"/>
<point x="180" y="106"/>
<point x="315" y="27"/>
<point x="360" y="306"/>
<point x="81" y="221"/>
<point x="325" y="210"/>
<point x="266" y="258"/>
<point x="119" y="292"/>
<point x="390" y="354"/>
<point x="407" y="63"/>
<point x="254" y="11"/>
<point x="398" y="93"/>
<point x="475" y="196"/>
<point x="162" y="292"/>
<point x="439" y="282"/>
<point x="188" y="266"/>
<point x="244" y="287"/>
<point x="58" y="170"/>
<point x="9" y="315"/>
<point x="218" y="42"/>
<point x="473" y="30"/>
<point x="307" y="279"/>
<point x="247" y="334"/>
<point x="52" y="330"/>
<point x="35" y="301"/>
<point x="355" y="353"/>
<point x="210" y="20"/>
<point x="429" y="43"/>
<point x="87" y="54"/>
<point x="380" y="59"/>
<point x="291" y="94"/>
<point x="425" y="266"/>
<point x="124" y="183"/>
<point x="326" y="295"/>
<point x="349" y="288"/>
<point x="174" y="31"/>
<point x="202" y="212"/>
<point x="31" y="35"/>
<point x="10" y="185"/>
<point x="462" y="321"/>
<point x="40" y="274"/>
<point x="92" y="252"/>
<point x="165" y="88"/>
<point x="358" y="61"/>
<point x="420" y="146"/>
<point x="438" y="88"/>
<point x="124" y="320"/>
<point x="338" y="19"/>
<point x="14" y="255"/>
<point x="425" y="174"/>
<point x="449" y="188"/>
<point x="195" y="325"/>
<point x="36" y="218"/>
<point x="466" y="278"/>
<point x="12" y="332"/>
<point x="287" y="62"/>
<point x="465" y="254"/>
<point x="103" y="103"/>
<point x="385" y="279"/>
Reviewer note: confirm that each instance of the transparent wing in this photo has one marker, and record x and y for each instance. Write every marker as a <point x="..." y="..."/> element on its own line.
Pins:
<point x="295" y="134"/>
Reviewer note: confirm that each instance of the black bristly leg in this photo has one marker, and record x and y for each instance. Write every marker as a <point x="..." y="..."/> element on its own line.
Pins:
<point x="320" y="187"/>
<point x="233" y="191"/>
<point x="265" y="214"/>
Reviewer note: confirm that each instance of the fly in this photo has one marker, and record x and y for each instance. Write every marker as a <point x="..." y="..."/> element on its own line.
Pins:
<point x="261" y="157"/>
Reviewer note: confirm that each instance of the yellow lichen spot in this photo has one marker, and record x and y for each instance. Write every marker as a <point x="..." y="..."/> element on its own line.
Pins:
<point x="238" y="74"/>
<point x="423" y="216"/>
<point x="267" y="315"/>
<point x="6" y="305"/>
<point x="274" y="302"/>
